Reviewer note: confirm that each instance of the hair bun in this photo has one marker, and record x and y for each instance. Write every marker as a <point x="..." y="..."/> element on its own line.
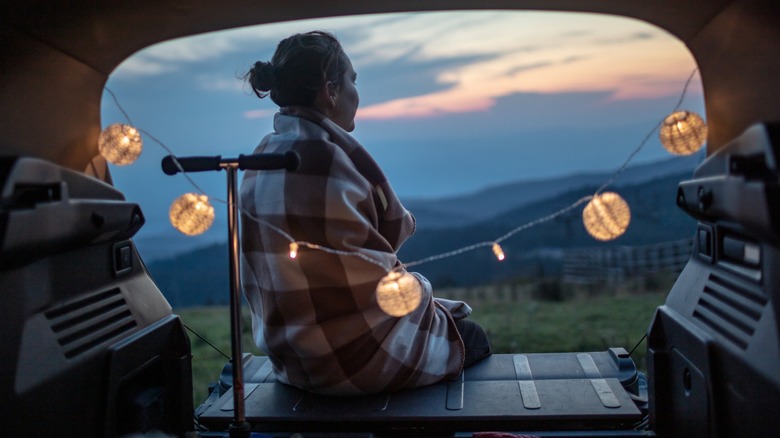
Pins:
<point x="300" y="66"/>
<point x="261" y="77"/>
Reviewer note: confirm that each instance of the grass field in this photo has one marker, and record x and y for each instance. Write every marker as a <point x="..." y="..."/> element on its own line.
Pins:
<point x="517" y="318"/>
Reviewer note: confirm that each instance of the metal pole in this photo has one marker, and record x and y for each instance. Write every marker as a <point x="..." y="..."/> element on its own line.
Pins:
<point x="240" y="427"/>
<point x="171" y="165"/>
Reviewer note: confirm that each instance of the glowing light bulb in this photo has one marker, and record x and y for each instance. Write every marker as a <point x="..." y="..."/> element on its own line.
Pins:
<point x="293" y="250"/>
<point x="120" y="144"/>
<point x="192" y="214"/>
<point x="683" y="133"/>
<point x="606" y="216"/>
<point x="498" y="251"/>
<point x="399" y="293"/>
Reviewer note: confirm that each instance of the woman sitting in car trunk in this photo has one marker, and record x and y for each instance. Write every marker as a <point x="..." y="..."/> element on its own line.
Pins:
<point x="317" y="316"/>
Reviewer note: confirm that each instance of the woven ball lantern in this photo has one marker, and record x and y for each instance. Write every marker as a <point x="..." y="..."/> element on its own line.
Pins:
<point x="683" y="133"/>
<point x="399" y="293"/>
<point x="120" y="144"/>
<point x="606" y="217"/>
<point x="192" y="214"/>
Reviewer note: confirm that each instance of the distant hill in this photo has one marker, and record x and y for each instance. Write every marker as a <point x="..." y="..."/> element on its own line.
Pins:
<point x="163" y="244"/>
<point x="200" y="276"/>
<point x="536" y="251"/>
<point x="447" y="212"/>
<point x="195" y="278"/>
<point x="456" y="211"/>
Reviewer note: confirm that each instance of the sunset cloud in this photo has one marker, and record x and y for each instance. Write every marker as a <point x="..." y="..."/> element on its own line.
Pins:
<point x="536" y="53"/>
<point x="454" y="62"/>
<point x="179" y="54"/>
<point x="449" y="102"/>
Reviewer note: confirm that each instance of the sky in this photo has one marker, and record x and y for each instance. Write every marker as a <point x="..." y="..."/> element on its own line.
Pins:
<point x="451" y="102"/>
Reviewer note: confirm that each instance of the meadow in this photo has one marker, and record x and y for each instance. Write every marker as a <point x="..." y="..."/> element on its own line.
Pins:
<point x="520" y="317"/>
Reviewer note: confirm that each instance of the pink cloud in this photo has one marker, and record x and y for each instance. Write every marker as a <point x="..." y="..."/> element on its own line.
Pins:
<point x="430" y="105"/>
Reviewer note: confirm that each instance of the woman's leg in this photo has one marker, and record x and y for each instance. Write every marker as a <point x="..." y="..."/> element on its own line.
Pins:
<point x="476" y="341"/>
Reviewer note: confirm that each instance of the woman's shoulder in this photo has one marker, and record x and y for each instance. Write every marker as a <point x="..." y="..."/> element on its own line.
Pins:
<point x="293" y="126"/>
<point x="318" y="151"/>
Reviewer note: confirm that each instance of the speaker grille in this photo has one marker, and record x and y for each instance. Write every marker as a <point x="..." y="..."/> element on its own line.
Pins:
<point x="730" y="309"/>
<point x="90" y="321"/>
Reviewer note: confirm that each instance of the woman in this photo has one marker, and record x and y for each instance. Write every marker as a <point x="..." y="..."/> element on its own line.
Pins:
<point x="316" y="316"/>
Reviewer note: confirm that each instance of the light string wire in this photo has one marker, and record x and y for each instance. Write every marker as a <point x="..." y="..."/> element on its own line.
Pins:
<point x="249" y="215"/>
<point x="206" y="341"/>
<point x="647" y="137"/>
<point x="314" y="246"/>
<point x="502" y="238"/>
<point x="162" y="145"/>
<point x="566" y="209"/>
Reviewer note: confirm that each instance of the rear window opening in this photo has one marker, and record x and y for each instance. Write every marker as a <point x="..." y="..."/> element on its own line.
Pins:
<point x="483" y="122"/>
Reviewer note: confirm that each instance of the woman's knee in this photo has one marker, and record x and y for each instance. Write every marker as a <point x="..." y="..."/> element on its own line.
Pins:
<point x="475" y="340"/>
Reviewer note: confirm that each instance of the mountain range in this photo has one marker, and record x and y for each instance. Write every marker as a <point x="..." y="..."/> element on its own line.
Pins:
<point x="200" y="276"/>
<point x="483" y="204"/>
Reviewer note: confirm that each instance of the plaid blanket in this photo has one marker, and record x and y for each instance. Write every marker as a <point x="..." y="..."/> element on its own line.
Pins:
<point x="316" y="316"/>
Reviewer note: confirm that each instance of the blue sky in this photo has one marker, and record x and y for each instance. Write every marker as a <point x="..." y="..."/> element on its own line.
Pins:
<point x="450" y="102"/>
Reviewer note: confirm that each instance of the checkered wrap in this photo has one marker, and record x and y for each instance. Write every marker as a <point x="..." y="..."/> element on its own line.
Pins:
<point x="317" y="316"/>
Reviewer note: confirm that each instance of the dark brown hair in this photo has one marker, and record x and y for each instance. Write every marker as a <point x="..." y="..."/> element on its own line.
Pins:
<point x="301" y="64"/>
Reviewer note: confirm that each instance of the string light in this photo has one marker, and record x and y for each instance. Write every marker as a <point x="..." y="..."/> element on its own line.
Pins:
<point x="606" y="217"/>
<point x="399" y="293"/>
<point x="120" y="144"/>
<point x="498" y="251"/>
<point x="293" y="250"/>
<point x="192" y="214"/>
<point x="683" y="133"/>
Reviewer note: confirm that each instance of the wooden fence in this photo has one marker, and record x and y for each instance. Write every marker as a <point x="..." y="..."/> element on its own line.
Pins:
<point x="617" y="264"/>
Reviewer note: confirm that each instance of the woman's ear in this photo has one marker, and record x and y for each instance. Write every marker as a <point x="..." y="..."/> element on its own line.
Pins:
<point x="333" y="91"/>
<point x="325" y="100"/>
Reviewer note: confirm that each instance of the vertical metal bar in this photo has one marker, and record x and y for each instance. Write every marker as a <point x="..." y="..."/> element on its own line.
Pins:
<point x="240" y="427"/>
